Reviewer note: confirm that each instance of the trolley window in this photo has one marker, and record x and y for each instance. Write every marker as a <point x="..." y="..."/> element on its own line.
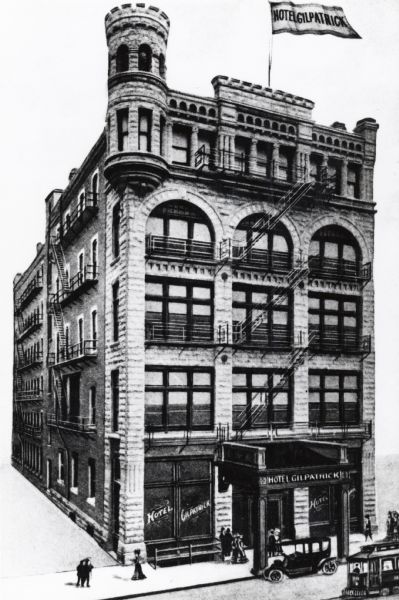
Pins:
<point x="387" y="564"/>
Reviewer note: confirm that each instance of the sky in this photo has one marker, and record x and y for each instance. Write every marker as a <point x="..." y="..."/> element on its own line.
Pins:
<point x="54" y="73"/>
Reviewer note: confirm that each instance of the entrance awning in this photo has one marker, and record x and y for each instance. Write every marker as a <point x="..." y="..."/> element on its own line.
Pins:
<point x="284" y="464"/>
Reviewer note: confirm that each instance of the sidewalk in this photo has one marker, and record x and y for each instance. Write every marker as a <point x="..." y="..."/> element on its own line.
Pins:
<point x="115" y="582"/>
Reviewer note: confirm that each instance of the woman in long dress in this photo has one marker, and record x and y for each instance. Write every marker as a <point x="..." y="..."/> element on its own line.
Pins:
<point x="138" y="571"/>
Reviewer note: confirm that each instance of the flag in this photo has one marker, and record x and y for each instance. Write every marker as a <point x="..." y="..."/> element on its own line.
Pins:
<point x="299" y="19"/>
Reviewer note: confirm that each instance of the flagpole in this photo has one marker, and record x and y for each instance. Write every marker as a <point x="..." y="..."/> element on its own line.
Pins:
<point x="270" y="49"/>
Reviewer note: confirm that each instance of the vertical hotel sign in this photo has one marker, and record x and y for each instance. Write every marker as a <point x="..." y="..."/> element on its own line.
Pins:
<point x="318" y="19"/>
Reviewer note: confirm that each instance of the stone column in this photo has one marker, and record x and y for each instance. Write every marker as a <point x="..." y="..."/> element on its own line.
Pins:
<point x="260" y="531"/>
<point x="275" y="159"/>
<point x="193" y="145"/>
<point x="168" y="141"/>
<point x="344" y="177"/>
<point x="301" y="512"/>
<point x="226" y="150"/>
<point x="362" y="183"/>
<point x="343" y="523"/>
<point x="253" y="156"/>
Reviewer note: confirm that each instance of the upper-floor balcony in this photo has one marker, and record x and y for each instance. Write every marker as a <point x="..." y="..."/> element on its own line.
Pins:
<point x="338" y="341"/>
<point x="30" y="325"/>
<point x="339" y="270"/>
<point x="74" y="222"/>
<point x="29" y="395"/>
<point x="82" y="351"/>
<point x="273" y="338"/>
<point x="32" y="289"/>
<point x="273" y="261"/>
<point x="30" y="360"/>
<point x="276" y="424"/>
<point x="71" y="422"/>
<point x="78" y="284"/>
<point x="181" y="332"/>
<point x="163" y="246"/>
<point x="28" y="430"/>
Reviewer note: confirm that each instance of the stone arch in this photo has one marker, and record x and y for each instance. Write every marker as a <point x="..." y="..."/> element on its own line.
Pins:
<point x="366" y="252"/>
<point x="166" y="195"/>
<point x="258" y="207"/>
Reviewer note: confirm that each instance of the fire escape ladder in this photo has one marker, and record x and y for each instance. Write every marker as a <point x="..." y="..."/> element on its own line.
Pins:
<point x="20" y="354"/>
<point x="59" y="321"/>
<point x="268" y="221"/>
<point x="295" y="277"/>
<point x="59" y="258"/>
<point x="20" y="324"/>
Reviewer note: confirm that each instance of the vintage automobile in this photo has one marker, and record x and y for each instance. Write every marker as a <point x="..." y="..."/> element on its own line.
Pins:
<point x="301" y="557"/>
<point x="374" y="571"/>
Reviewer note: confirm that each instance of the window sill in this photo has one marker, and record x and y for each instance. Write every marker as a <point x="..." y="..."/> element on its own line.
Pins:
<point x="61" y="482"/>
<point x="114" y="436"/>
<point x="74" y="490"/>
<point x="91" y="501"/>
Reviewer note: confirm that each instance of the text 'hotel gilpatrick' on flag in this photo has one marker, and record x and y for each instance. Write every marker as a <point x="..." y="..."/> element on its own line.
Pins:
<point x="318" y="19"/>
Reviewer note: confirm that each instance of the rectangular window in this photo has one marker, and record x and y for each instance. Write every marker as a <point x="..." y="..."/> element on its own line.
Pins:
<point x="258" y="320"/>
<point x="94" y="257"/>
<point x="92" y="405"/>
<point x="181" y="145"/>
<point x="94" y="329"/>
<point x="61" y="467"/>
<point x="161" y="135"/>
<point x="115" y="399"/>
<point x="178" y="398"/>
<point x="116" y="221"/>
<point x="353" y="187"/>
<point x="115" y="310"/>
<point x="260" y="397"/>
<point x="334" y="398"/>
<point x="145" y="123"/>
<point x="334" y="323"/>
<point x="177" y="310"/>
<point x="74" y="471"/>
<point x="80" y="334"/>
<point x="91" y="479"/>
<point x="122" y="117"/>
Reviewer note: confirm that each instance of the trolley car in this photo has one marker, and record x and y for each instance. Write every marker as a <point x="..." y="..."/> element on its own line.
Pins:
<point x="374" y="571"/>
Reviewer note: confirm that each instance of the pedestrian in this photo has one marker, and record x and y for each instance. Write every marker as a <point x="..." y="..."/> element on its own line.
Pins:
<point x="79" y="573"/>
<point x="228" y="540"/>
<point x="222" y="542"/>
<point x="138" y="571"/>
<point x="389" y="525"/>
<point x="395" y="526"/>
<point x="277" y="536"/>
<point x="242" y="557"/>
<point x="272" y="543"/>
<point x="87" y="568"/>
<point x="367" y="529"/>
<point x="235" y="549"/>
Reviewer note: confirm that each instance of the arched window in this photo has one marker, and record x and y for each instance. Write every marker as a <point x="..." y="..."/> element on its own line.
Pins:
<point x="122" y="59"/>
<point x="202" y="110"/>
<point x="212" y="113"/>
<point x="192" y="108"/>
<point x="145" y="58"/>
<point x="269" y="250"/>
<point x="240" y="118"/>
<point x="334" y="253"/>
<point x="173" y="103"/>
<point x="162" y="69"/>
<point x="94" y="188"/>
<point x="258" y="122"/>
<point x="179" y="229"/>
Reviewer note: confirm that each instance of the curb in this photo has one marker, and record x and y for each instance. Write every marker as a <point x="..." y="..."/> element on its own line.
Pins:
<point x="178" y="589"/>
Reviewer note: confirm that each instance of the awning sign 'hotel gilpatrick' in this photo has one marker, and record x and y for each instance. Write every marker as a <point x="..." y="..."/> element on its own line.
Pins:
<point x="310" y="18"/>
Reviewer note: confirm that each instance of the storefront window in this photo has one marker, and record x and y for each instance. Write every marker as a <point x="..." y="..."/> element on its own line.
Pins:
<point x="178" y="500"/>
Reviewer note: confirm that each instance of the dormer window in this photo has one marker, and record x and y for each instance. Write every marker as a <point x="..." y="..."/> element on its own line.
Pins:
<point x="145" y="58"/>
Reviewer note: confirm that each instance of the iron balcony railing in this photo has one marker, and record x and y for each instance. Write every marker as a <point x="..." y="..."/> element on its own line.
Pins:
<point x="346" y="270"/>
<point x="77" y="285"/>
<point x="30" y="324"/>
<point x="29" y="394"/>
<point x="277" y="337"/>
<point x="30" y="360"/>
<point x="175" y="331"/>
<point x="74" y="422"/>
<point x="162" y="245"/>
<point x="260" y="418"/>
<point x="33" y="431"/>
<point x="79" y="217"/>
<point x="263" y="259"/>
<point x="33" y="288"/>
<point x="82" y="350"/>
<point x="333" y="340"/>
<point x="283" y="427"/>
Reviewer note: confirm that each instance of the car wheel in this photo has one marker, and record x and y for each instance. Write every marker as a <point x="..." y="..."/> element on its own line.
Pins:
<point x="395" y="589"/>
<point x="385" y="592"/>
<point x="275" y="576"/>
<point x="329" y="567"/>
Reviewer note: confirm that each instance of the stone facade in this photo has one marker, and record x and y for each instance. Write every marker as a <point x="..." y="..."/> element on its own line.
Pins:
<point x="246" y="152"/>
